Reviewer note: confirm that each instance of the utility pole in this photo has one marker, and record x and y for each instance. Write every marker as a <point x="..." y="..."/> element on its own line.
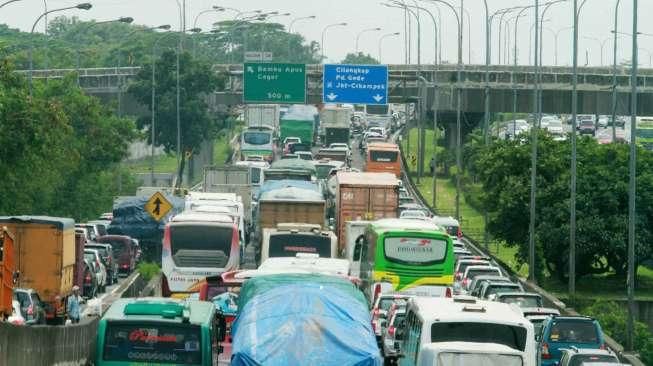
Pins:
<point x="572" y="199"/>
<point x="534" y="136"/>
<point x="614" y="72"/>
<point x="486" y="122"/>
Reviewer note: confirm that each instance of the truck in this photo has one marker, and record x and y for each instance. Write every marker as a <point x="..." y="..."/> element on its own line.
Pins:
<point x="299" y="121"/>
<point x="8" y="274"/>
<point x="44" y="250"/>
<point x="330" y="305"/>
<point x="364" y="196"/>
<point x="230" y="179"/>
<point x="378" y="116"/>
<point x="335" y="123"/>
<point x="286" y="240"/>
<point x="257" y="141"/>
<point x="291" y="204"/>
<point x="259" y="115"/>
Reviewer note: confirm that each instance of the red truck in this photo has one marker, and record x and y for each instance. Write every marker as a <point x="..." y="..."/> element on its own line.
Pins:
<point x="364" y="196"/>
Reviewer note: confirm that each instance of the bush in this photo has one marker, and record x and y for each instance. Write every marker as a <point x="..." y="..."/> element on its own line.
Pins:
<point x="147" y="270"/>
<point x="613" y="319"/>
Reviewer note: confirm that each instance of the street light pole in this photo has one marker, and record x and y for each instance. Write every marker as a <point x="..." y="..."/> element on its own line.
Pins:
<point x="631" y="186"/>
<point x="381" y="42"/>
<point x="82" y="6"/>
<point x="324" y="36"/>
<point x="8" y="2"/>
<point x="614" y="72"/>
<point x="292" y="22"/>
<point x="557" y="33"/>
<point x="572" y="199"/>
<point x="358" y="36"/>
<point x="534" y="136"/>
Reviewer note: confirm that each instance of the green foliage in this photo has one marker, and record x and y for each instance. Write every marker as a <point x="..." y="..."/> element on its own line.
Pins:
<point x="613" y="318"/>
<point x="360" y="59"/>
<point x="147" y="270"/>
<point x="503" y="168"/>
<point x="60" y="149"/>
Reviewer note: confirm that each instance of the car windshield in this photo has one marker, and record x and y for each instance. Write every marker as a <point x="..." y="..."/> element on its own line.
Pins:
<point x="421" y="251"/>
<point x="472" y="273"/>
<point x="257" y="138"/>
<point x="573" y="331"/>
<point x="288" y="245"/>
<point x="523" y="301"/>
<point x="158" y="343"/>
<point x="462" y="266"/>
<point x="512" y="336"/>
<point x="386" y="302"/>
<point x="200" y="245"/>
<point x="495" y="289"/>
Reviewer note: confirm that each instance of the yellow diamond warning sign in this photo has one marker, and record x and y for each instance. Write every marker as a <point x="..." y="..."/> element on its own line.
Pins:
<point x="158" y="206"/>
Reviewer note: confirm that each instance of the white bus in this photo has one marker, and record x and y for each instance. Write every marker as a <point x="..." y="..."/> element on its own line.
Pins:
<point x="466" y="331"/>
<point x="287" y="240"/>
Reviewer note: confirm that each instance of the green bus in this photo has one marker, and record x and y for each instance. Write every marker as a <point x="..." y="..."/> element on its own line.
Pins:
<point x="159" y="331"/>
<point x="410" y="256"/>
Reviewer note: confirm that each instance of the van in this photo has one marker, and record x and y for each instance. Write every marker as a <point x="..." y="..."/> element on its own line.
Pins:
<point x="563" y="332"/>
<point x="465" y="331"/>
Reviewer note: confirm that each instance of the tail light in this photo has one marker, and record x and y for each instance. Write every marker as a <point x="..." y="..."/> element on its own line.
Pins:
<point x="458" y="275"/>
<point x="391" y="331"/>
<point x="603" y="346"/>
<point x="460" y="233"/>
<point x="447" y="293"/>
<point x="377" y="290"/>
<point x="30" y="310"/>
<point x="375" y="314"/>
<point x="545" y="351"/>
<point x="87" y="278"/>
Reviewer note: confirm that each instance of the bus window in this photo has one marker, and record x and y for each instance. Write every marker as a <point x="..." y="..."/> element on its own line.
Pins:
<point x="415" y="250"/>
<point x="201" y="245"/>
<point x="505" y="334"/>
<point x="383" y="156"/>
<point x="153" y="343"/>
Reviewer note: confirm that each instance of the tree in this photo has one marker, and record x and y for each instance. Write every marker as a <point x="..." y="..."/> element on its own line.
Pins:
<point x="503" y="169"/>
<point x="360" y="59"/>
<point x="197" y="81"/>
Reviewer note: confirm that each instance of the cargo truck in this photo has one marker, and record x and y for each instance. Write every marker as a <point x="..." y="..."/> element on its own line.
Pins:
<point x="299" y="121"/>
<point x="44" y="250"/>
<point x="364" y="196"/>
<point x="291" y="204"/>
<point x="259" y="115"/>
<point x="8" y="275"/>
<point x="231" y="179"/>
<point x="335" y="123"/>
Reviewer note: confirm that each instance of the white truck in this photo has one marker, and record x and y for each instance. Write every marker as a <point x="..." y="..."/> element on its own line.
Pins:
<point x="259" y="115"/>
<point x="230" y="179"/>
<point x="335" y="123"/>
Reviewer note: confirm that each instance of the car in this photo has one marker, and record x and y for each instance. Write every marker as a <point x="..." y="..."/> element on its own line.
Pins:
<point x="393" y="333"/>
<point x="287" y="143"/>
<point x="522" y="299"/>
<point x="108" y="259"/>
<point x="461" y="251"/>
<point x="575" y="356"/>
<point x="90" y="279"/>
<point x="473" y="271"/>
<point x="100" y="271"/>
<point x="492" y="287"/>
<point x="304" y="155"/>
<point x="586" y="127"/>
<point x="462" y="264"/>
<point x="603" y="121"/>
<point x="457" y="243"/>
<point x="382" y="304"/>
<point x="405" y="197"/>
<point x="289" y="156"/>
<point x="31" y="306"/>
<point x="537" y="316"/>
<point x="413" y="214"/>
<point x="478" y="281"/>
<point x="564" y="332"/>
<point x="555" y="128"/>
<point x="88" y="235"/>
<point x="124" y="251"/>
<point x="255" y="158"/>
<point x="16" y="317"/>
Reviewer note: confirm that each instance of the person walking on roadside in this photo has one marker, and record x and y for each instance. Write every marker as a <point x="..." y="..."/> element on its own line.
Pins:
<point x="432" y="165"/>
<point x="74" y="305"/>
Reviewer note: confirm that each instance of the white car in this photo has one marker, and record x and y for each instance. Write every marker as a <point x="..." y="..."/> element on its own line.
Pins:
<point x="16" y="317"/>
<point x="413" y="214"/>
<point x="101" y="271"/>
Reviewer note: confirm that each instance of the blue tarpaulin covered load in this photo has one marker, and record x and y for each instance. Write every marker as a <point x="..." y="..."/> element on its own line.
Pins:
<point x="303" y="319"/>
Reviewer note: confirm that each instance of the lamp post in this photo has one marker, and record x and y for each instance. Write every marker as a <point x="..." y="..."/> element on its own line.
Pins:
<point x="8" y="2"/>
<point x="214" y="9"/>
<point x="82" y="6"/>
<point x="358" y="36"/>
<point x="262" y="45"/>
<point x="555" y="40"/>
<point x="292" y="22"/>
<point x="324" y="35"/>
<point x="381" y="42"/>
<point x="534" y="134"/>
<point x="614" y="72"/>
<point x="601" y="44"/>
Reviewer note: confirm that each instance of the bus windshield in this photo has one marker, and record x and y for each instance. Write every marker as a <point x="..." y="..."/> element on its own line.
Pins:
<point x="509" y="335"/>
<point x="288" y="245"/>
<point x="256" y="138"/>
<point x="415" y="250"/>
<point x="646" y="133"/>
<point x="383" y="156"/>
<point x="201" y="245"/>
<point x="153" y="342"/>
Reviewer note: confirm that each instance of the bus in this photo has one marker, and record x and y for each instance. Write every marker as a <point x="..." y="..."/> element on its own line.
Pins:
<point x="156" y="331"/>
<point x="466" y="331"/>
<point x="286" y="240"/>
<point x="197" y="245"/>
<point x="257" y="141"/>
<point x="644" y="134"/>
<point x="407" y="256"/>
<point x="383" y="157"/>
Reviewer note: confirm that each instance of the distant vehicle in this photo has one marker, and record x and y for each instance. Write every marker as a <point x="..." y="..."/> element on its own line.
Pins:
<point x="304" y="155"/>
<point x="472" y="272"/>
<point x="296" y="147"/>
<point x="108" y="259"/>
<point x="466" y="331"/>
<point x="477" y="283"/>
<point x="490" y="287"/>
<point x="586" y="126"/>
<point x="90" y="284"/>
<point x="451" y="225"/>
<point x="383" y="157"/>
<point x="537" y="316"/>
<point x="413" y="214"/>
<point x="324" y="166"/>
<point x="603" y="121"/>
<point x="419" y="255"/>
<point x="149" y="330"/>
<point x="394" y="333"/>
<point x="521" y="299"/>
<point x="286" y="240"/>
<point x="16" y="317"/>
<point x="100" y="270"/>
<point x="257" y="141"/>
<point x="576" y="356"/>
<point x="124" y="251"/>
<point x="31" y="306"/>
<point x="644" y="132"/>
<point x="555" y="128"/>
<point x="290" y="140"/>
<point x="289" y="156"/>
<point x="462" y="265"/>
<point x="564" y="332"/>
<point x="516" y="127"/>
<point x="380" y="307"/>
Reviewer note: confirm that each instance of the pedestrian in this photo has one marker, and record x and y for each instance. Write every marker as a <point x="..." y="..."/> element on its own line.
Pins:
<point x="74" y="304"/>
<point x="432" y="165"/>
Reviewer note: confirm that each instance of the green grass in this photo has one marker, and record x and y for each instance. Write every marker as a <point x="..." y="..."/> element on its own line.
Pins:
<point x="166" y="163"/>
<point x="221" y="150"/>
<point x="148" y="270"/>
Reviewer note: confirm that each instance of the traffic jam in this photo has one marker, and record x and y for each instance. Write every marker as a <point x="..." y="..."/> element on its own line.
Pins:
<point x="310" y="248"/>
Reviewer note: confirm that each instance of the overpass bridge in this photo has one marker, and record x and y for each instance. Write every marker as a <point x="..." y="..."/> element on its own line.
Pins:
<point x="594" y="85"/>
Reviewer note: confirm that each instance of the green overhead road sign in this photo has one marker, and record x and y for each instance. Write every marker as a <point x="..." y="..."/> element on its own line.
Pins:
<point x="266" y="82"/>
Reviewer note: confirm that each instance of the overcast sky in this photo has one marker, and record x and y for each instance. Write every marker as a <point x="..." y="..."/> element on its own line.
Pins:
<point x="595" y="22"/>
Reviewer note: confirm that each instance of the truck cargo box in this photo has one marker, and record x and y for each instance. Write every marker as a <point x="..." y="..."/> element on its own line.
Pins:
<point x="303" y="319"/>
<point x="291" y="204"/>
<point x="364" y="196"/>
